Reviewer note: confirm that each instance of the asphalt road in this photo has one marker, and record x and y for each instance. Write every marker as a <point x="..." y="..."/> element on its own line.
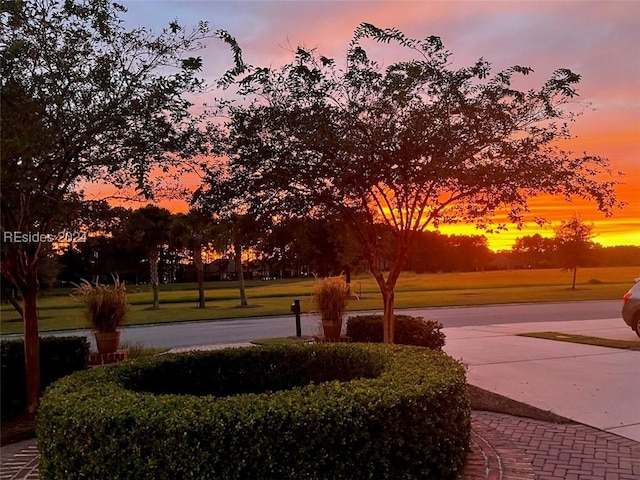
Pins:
<point x="187" y="334"/>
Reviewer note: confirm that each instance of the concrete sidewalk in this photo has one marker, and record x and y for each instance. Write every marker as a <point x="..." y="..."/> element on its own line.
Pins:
<point x="595" y="386"/>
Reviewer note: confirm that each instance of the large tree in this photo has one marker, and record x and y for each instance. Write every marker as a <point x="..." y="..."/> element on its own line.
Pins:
<point x="148" y="229"/>
<point x="535" y="249"/>
<point x="309" y="245"/>
<point x="238" y="233"/>
<point x="574" y="245"/>
<point x="83" y="99"/>
<point x="194" y="230"/>
<point x="415" y="144"/>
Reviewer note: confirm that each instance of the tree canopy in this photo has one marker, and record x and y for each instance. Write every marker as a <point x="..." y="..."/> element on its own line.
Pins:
<point x="574" y="244"/>
<point x="412" y="145"/>
<point x="84" y="99"/>
<point x="535" y="249"/>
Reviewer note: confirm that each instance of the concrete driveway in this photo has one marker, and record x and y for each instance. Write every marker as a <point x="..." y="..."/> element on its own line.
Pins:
<point x="595" y="386"/>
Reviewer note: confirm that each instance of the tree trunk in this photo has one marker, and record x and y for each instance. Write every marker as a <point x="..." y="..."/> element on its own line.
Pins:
<point x="9" y="293"/>
<point x="21" y="268"/>
<point x="388" y="323"/>
<point x="154" y="258"/>
<point x="237" y="250"/>
<point x="347" y="274"/>
<point x="573" y="283"/>
<point x="197" y="261"/>
<point x="31" y="344"/>
<point x="387" y="289"/>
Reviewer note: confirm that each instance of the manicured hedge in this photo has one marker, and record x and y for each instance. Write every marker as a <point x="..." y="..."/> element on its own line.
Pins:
<point x="285" y="412"/>
<point x="59" y="356"/>
<point x="408" y="331"/>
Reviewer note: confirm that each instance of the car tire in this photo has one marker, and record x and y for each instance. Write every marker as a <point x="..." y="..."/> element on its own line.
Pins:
<point x="636" y="328"/>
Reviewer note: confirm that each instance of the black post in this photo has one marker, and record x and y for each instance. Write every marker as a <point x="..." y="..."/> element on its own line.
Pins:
<point x="295" y="308"/>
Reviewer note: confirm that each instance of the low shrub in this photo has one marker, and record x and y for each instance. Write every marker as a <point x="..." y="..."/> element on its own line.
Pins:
<point x="59" y="356"/>
<point x="285" y="412"/>
<point x="408" y="331"/>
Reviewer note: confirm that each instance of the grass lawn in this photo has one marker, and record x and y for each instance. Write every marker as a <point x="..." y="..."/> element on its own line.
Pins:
<point x="585" y="340"/>
<point x="58" y="311"/>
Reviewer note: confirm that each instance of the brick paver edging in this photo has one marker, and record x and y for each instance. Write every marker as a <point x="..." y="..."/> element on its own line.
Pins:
<point x="502" y="448"/>
<point x="493" y="457"/>
<point x="20" y="461"/>
<point x="566" y="452"/>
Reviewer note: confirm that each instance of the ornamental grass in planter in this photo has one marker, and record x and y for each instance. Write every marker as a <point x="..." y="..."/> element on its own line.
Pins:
<point x="330" y="297"/>
<point x="106" y="307"/>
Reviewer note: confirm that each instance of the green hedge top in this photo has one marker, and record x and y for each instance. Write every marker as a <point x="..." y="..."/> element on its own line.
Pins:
<point x="366" y="411"/>
<point x="240" y="371"/>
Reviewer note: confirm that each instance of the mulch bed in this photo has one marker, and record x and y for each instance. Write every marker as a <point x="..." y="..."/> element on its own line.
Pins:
<point x="22" y="427"/>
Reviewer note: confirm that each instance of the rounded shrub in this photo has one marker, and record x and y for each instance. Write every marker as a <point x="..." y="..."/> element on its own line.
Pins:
<point x="285" y="412"/>
<point x="408" y="331"/>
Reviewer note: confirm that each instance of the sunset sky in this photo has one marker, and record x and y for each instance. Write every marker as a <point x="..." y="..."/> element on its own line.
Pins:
<point x="600" y="40"/>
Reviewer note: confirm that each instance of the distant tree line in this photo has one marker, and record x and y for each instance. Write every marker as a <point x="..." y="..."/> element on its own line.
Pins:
<point x="127" y="242"/>
<point x="151" y="245"/>
<point x="298" y="247"/>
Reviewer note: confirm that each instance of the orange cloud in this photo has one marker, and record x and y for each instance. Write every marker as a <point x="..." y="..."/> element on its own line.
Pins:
<point x="622" y="228"/>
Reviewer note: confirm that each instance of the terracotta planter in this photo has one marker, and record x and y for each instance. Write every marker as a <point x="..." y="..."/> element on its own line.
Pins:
<point x="107" y="342"/>
<point x="332" y="329"/>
